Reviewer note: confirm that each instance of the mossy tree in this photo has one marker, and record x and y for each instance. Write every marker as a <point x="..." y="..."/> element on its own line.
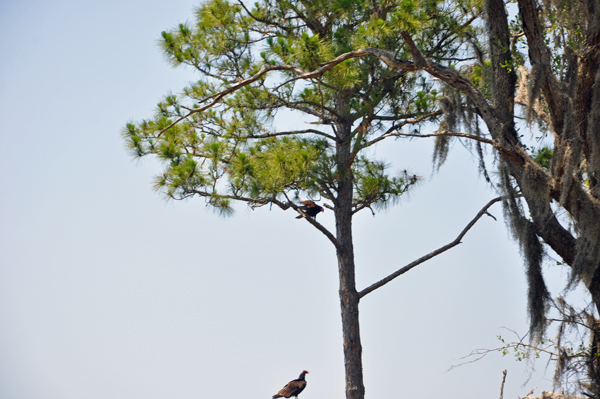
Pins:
<point x="218" y="140"/>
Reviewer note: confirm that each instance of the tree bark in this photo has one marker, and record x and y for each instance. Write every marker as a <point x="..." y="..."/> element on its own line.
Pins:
<point x="349" y="298"/>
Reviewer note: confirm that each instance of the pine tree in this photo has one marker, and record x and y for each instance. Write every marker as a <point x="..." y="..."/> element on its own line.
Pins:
<point x="217" y="139"/>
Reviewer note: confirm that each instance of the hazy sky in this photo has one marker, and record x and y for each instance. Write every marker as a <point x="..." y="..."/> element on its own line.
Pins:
<point x="108" y="291"/>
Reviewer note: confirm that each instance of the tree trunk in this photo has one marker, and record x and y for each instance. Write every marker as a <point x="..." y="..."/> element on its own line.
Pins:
<point x="594" y="288"/>
<point x="349" y="298"/>
<point x="350" y="325"/>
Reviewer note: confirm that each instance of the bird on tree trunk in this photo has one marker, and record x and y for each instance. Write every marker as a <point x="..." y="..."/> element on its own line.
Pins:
<point x="293" y="388"/>
<point x="310" y="208"/>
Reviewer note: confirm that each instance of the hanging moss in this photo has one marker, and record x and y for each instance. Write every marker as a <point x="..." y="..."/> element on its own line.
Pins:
<point x="523" y="231"/>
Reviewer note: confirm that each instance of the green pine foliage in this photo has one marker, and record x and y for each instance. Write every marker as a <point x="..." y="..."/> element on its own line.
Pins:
<point x="225" y="147"/>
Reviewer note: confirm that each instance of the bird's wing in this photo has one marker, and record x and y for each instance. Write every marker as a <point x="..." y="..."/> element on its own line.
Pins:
<point x="293" y="388"/>
<point x="308" y="203"/>
<point x="301" y="385"/>
<point x="287" y="390"/>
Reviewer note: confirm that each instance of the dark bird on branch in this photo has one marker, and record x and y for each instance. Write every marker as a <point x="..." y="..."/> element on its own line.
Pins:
<point x="293" y="388"/>
<point x="310" y="208"/>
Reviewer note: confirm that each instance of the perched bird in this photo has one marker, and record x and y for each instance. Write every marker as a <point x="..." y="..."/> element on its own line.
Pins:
<point x="310" y="208"/>
<point x="293" y="388"/>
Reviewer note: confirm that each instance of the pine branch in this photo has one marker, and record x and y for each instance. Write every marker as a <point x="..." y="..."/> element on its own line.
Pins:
<point x="316" y="224"/>
<point x="292" y="132"/>
<point x="385" y="56"/>
<point x="430" y="255"/>
<point x="390" y="131"/>
<point x="264" y="21"/>
<point x="258" y="202"/>
<point x="297" y="106"/>
<point x="450" y="32"/>
<point x="216" y="98"/>
<point x="493" y="143"/>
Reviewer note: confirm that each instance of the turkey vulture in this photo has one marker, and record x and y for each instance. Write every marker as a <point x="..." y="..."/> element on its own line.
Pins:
<point x="293" y="388"/>
<point x="310" y="208"/>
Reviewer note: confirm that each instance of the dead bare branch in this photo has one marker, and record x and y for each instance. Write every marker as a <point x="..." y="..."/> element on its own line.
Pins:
<point x="530" y="392"/>
<point x="430" y="255"/>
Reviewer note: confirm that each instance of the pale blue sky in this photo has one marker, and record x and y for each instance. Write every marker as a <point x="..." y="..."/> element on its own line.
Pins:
<point x="107" y="291"/>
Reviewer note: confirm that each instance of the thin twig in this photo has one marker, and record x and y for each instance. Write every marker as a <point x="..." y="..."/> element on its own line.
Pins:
<point x="502" y="385"/>
<point x="530" y="392"/>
